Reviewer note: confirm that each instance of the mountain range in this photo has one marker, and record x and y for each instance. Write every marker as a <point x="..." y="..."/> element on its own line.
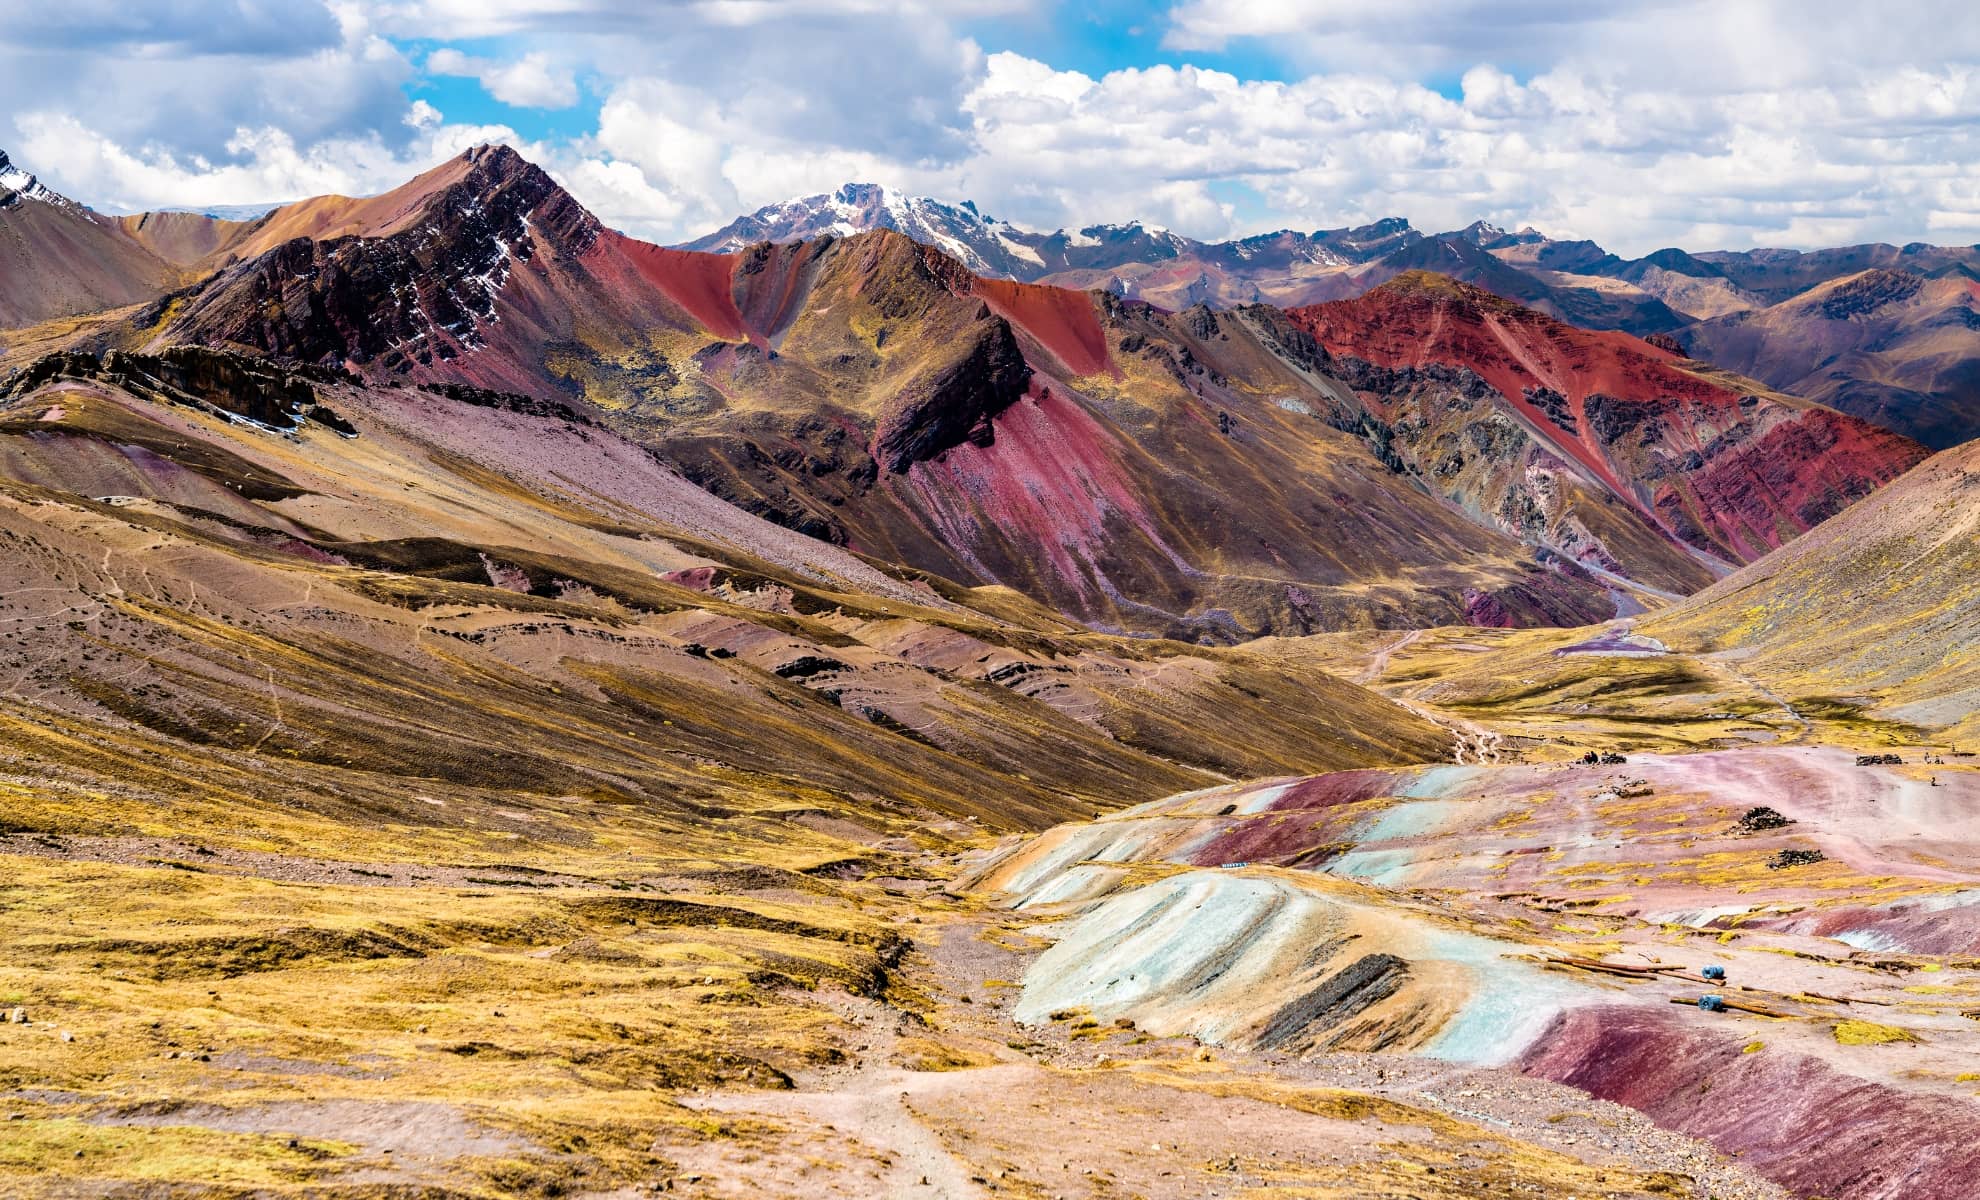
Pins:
<point x="1203" y="474"/>
<point x="1887" y="333"/>
<point x="494" y="707"/>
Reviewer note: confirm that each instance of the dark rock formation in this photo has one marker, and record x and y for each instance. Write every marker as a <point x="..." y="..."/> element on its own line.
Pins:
<point x="954" y="403"/>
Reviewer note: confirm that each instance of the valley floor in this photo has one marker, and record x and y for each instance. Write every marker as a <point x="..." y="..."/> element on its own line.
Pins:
<point x="1098" y="1011"/>
<point x="289" y="1061"/>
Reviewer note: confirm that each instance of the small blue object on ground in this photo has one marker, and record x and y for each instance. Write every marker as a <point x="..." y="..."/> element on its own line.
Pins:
<point x="1712" y="1003"/>
<point x="1714" y="972"/>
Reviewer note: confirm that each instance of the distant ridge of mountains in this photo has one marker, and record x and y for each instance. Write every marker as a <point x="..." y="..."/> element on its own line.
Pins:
<point x="1427" y="452"/>
<point x="1910" y="362"/>
<point x="990" y="246"/>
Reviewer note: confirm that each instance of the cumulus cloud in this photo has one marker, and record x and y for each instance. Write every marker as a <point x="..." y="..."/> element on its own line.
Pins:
<point x="266" y="164"/>
<point x="1684" y="122"/>
<point x="186" y="76"/>
<point x="1702" y="45"/>
<point x="531" y="81"/>
<point x="466" y="19"/>
<point x="1402" y="34"/>
<point x="204" y="27"/>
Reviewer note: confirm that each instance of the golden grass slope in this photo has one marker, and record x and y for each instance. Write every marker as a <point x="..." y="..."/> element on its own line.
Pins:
<point x="1881" y="604"/>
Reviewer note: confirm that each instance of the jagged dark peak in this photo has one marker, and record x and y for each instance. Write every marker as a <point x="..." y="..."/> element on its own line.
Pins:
<point x="394" y="281"/>
<point x="1370" y="241"/>
<point x="1386" y="227"/>
<point x="489" y="189"/>
<point x="493" y="168"/>
<point x="17" y="184"/>
<point x="1864" y="293"/>
<point x="498" y="155"/>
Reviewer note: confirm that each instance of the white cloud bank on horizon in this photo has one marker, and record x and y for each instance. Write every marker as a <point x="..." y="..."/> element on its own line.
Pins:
<point x="1673" y="123"/>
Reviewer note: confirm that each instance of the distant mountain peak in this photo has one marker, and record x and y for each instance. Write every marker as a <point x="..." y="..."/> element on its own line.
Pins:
<point x="1386" y="227"/>
<point x="18" y="184"/>
<point x="992" y="247"/>
<point x="962" y="231"/>
<point x="228" y="212"/>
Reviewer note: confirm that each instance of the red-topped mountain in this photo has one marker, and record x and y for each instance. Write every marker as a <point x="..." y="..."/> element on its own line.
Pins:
<point x="1723" y="467"/>
<point x="1201" y="474"/>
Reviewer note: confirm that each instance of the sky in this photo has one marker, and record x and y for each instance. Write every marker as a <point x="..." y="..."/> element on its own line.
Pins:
<point x="1706" y="124"/>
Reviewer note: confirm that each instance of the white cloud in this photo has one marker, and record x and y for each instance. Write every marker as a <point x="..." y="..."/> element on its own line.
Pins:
<point x="465" y="19"/>
<point x="531" y="81"/>
<point x="1577" y="154"/>
<point x="185" y="75"/>
<point x="268" y="164"/>
<point x="1668" y="122"/>
<point x="423" y="115"/>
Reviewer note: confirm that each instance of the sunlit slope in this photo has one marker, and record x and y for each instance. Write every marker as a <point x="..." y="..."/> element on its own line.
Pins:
<point x="1881" y="604"/>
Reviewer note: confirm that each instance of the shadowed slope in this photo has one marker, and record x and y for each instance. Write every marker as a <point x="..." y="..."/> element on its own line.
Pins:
<point x="1894" y="347"/>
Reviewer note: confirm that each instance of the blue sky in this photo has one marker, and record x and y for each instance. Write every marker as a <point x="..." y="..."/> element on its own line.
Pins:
<point x="1660" y="122"/>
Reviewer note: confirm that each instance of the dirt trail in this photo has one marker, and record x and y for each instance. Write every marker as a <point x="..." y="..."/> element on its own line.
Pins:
<point x="877" y="1111"/>
<point x="1380" y="663"/>
<point x="1473" y="744"/>
<point x="1805" y="729"/>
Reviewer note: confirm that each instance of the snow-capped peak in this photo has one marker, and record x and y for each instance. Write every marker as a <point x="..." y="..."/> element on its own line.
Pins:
<point x="979" y="242"/>
<point x="18" y="183"/>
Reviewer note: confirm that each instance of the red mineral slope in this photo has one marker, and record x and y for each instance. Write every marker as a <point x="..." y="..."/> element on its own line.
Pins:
<point x="1063" y="321"/>
<point x="1801" y="1121"/>
<point x="1721" y="465"/>
<point x="700" y="283"/>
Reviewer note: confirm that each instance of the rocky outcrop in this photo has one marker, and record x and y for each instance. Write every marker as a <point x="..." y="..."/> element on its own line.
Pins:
<point x="955" y="402"/>
<point x="275" y="395"/>
<point x="1868" y="292"/>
